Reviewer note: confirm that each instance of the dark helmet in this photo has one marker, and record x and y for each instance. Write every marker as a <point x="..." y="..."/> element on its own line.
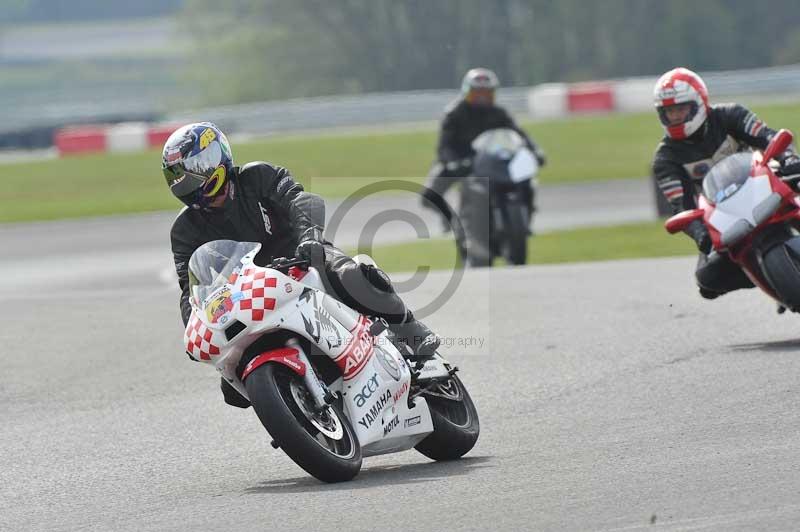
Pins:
<point x="197" y="163"/>
<point x="479" y="82"/>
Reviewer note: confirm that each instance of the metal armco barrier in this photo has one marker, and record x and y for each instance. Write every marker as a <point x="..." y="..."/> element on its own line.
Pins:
<point x="341" y="111"/>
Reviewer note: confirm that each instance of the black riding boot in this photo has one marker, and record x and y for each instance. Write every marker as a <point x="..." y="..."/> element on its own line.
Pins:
<point x="416" y="335"/>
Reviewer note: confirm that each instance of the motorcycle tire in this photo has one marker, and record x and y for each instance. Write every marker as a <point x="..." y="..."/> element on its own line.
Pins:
<point x="516" y="248"/>
<point x="455" y="422"/>
<point x="782" y="269"/>
<point x="475" y="216"/>
<point x="286" y="410"/>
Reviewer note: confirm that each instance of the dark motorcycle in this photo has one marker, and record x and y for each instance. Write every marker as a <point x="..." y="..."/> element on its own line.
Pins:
<point x="496" y="200"/>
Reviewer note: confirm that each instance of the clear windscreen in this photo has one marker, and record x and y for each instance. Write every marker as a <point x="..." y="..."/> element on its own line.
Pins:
<point x="727" y="176"/>
<point x="498" y="141"/>
<point x="213" y="263"/>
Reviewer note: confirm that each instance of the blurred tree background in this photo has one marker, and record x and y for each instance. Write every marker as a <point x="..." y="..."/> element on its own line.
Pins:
<point x="155" y="55"/>
<point x="291" y="48"/>
<point x="21" y="11"/>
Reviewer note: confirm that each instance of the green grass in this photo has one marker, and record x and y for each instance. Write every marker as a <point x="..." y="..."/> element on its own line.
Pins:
<point x="574" y="245"/>
<point x="579" y="149"/>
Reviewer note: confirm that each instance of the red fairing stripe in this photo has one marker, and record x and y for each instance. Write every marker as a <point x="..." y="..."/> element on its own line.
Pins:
<point x="288" y="356"/>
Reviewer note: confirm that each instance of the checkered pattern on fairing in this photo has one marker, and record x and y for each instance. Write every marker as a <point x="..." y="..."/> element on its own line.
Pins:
<point x="254" y="284"/>
<point x="199" y="339"/>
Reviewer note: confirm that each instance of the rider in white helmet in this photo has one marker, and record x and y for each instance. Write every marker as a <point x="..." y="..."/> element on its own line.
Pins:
<point x="697" y="136"/>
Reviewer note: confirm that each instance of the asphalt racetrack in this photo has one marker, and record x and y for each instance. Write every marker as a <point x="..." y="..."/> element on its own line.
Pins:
<point x="611" y="398"/>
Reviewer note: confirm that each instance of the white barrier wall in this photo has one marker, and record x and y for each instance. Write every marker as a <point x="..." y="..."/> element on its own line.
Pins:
<point x="127" y="136"/>
<point x="124" y="137"/>
<point x="548" y="100"/>
<point x="634" y="95"/>
<point x="557" y="100"/>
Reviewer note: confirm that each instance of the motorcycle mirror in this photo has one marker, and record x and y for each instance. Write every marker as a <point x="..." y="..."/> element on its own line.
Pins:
<point x="680" y="221"/>
<point x="778" y="144"/>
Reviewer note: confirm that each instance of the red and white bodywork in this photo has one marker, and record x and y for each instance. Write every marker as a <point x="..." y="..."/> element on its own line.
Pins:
<point x="742" y="201"/>
<point x="253" y="301"/>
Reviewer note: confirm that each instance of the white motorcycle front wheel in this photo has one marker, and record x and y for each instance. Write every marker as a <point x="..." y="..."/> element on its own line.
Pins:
<point x="322" y="442"/>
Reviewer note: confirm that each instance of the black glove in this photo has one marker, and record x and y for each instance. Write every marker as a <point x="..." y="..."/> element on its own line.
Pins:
<point x="313" y="251"/>
<point x="540" y="158"/>
<point x="311" y="248"/>
<point x="699" y="233"/>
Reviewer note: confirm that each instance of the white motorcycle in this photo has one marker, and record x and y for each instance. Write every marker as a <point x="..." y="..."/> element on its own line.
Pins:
<point x="329" y="384"/>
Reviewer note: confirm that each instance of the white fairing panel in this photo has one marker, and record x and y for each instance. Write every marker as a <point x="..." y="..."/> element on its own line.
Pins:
<point x="376" y="402"/>
<point x="260" y="300"/>
<point x="523" y="166"/>
<point x="313" y="279"/>
<point x="740" y="206"/>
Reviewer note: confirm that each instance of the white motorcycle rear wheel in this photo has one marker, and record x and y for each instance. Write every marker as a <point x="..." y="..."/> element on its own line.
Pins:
<point x="455" y="422"/>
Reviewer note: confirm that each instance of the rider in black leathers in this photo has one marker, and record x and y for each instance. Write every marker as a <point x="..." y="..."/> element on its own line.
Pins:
<point x="259" y="202"/>
<point x="699" y="135"/>
<point x="465" y="119"/>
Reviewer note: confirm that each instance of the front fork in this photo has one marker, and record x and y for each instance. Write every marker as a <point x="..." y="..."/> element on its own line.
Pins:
<point x="319" y="392"/>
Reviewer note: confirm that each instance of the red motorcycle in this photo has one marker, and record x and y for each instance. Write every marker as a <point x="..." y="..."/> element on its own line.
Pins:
<point x="754" y="217"/>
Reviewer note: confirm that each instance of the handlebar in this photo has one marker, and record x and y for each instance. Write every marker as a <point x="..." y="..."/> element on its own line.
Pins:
<point x="283" y="264"/>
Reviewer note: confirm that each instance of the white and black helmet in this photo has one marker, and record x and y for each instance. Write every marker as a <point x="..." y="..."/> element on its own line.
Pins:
<point x="676" y="87"/>
<point x="478" y="79"/>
